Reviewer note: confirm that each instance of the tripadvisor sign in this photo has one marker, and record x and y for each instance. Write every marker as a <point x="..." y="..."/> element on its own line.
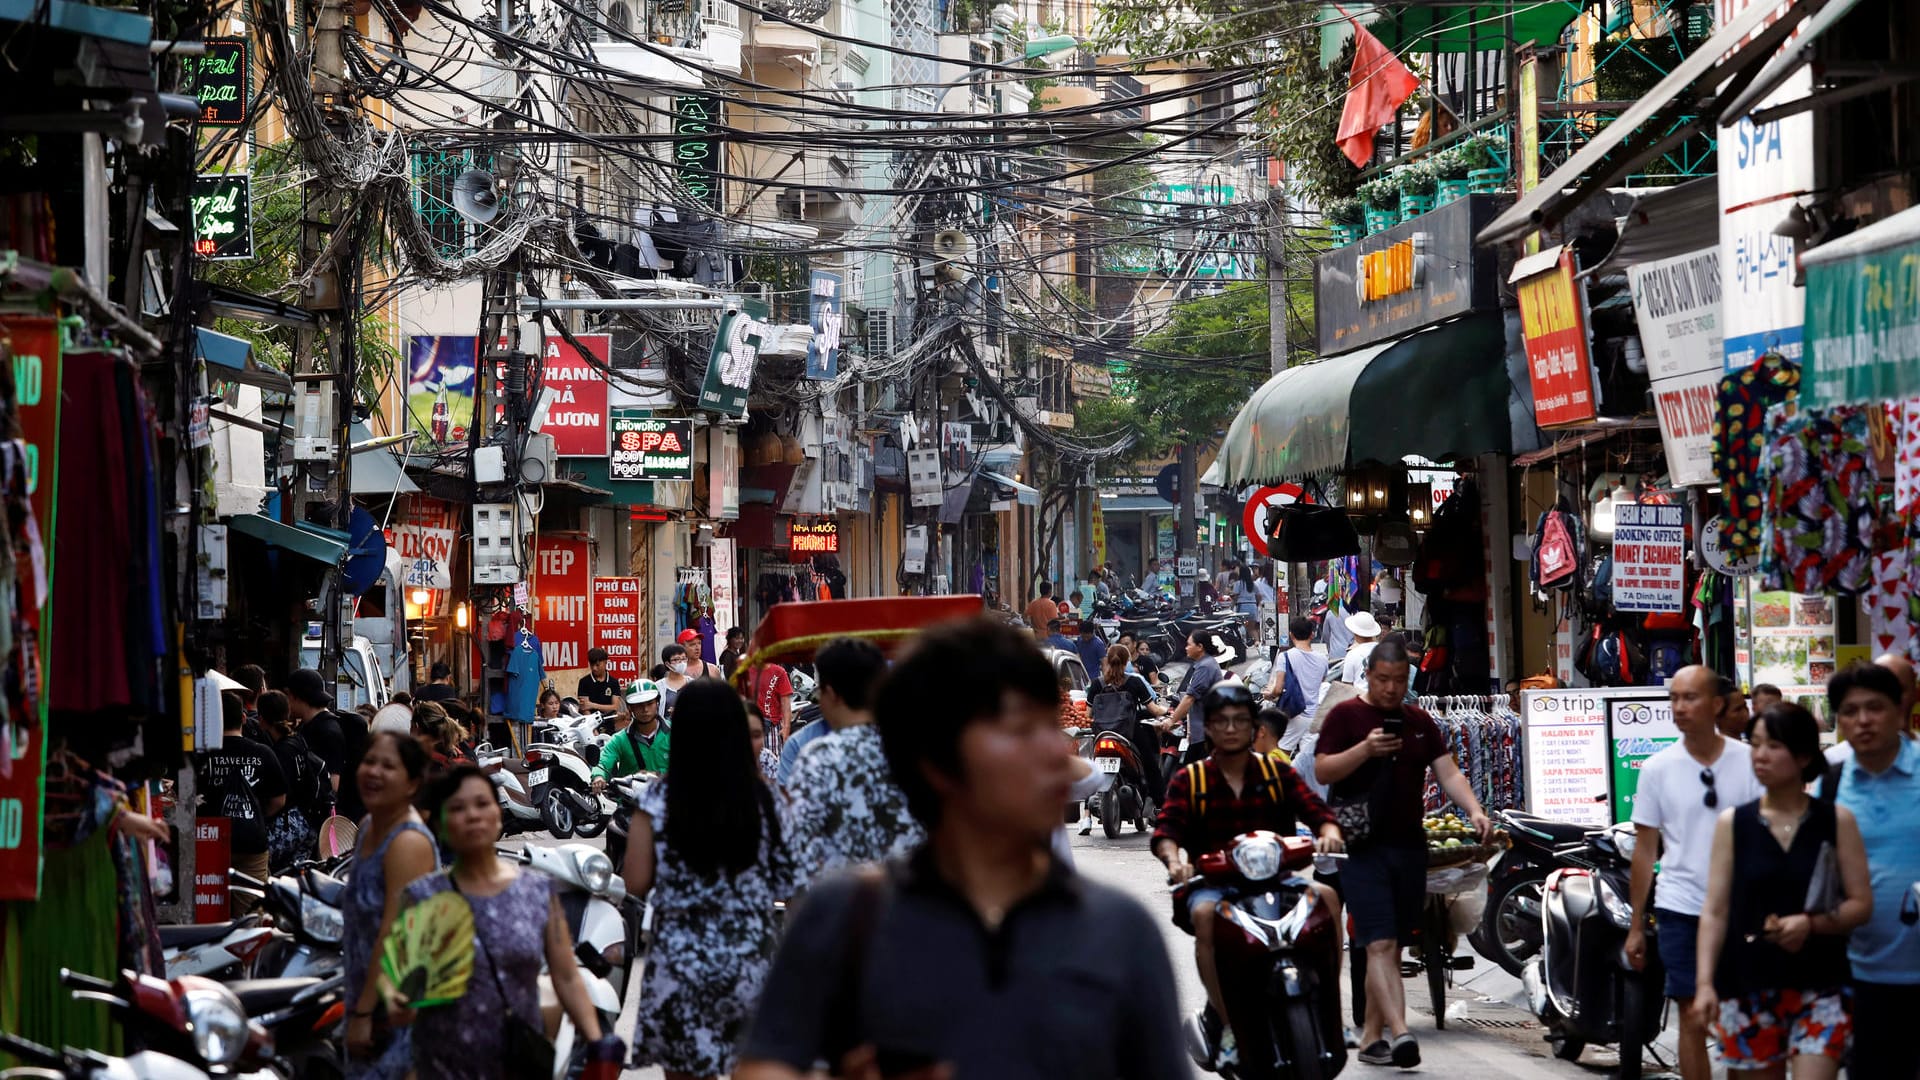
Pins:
<point x="1863" y="326"/>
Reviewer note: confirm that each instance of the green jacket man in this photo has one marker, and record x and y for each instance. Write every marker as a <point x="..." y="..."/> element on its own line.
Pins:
<point x="642" y="744"/>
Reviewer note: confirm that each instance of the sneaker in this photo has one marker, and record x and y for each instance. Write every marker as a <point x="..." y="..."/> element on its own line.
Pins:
<point x="1406" y="1052"/>
<point x="1229" y="1054"/>
<point x="1087" y="828"/>
<point x="1377" y="1054"/>
<point x="1352" y="1039"/>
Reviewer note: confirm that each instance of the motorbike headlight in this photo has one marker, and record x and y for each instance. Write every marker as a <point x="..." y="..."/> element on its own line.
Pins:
<point x="325" y="923"/>
<point x="1610" y="902"/>
<point x="218" y="1023"/>
<point x="596" y="870"/>
<point x="1257" y="860"/>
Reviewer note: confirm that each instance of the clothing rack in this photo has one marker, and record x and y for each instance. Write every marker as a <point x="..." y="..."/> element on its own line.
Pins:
<point x="1484" y="735"/>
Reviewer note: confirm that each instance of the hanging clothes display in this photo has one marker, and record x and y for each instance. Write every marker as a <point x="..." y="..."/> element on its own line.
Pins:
<point x="1817" y="472"/>
<point x="1739" y="439"/>
<point x="785" y="583"/>
<point x="1484" y="735"/>
<point x="526" y="673"/>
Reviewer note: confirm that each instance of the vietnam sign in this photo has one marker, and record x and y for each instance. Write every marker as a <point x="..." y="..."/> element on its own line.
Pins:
<point x="815" y="537"/>
<point x="222" y="81"/>
<point x="1553" y="321"/>
<point x="1676" y="303"/>
<point x="650" y="448"/>
<point x="577" y="420"/>
<point x="223" y="216"/>
<point x="823" y="351"/>
<point x="1863" y="324"/>
<point x="736" y="349"/>
<point x="1649" y="558"/>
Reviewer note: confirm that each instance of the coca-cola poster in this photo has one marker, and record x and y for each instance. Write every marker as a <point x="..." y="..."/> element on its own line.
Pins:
<point x="440" y="371"/>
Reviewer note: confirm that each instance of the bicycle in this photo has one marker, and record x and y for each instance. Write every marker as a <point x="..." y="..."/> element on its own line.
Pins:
<point x="1445" y="885"/>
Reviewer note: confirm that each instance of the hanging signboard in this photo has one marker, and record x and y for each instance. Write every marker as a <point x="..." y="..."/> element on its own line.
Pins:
<point x="1789" y="640"/>
<point x="440" y="376"/>
<point x="1256" y="521"/>
<point x="730" y="364"/>
<point x="1412" y="275"/>
<point x="697" y="147"/>
<point x="1713" y="550"/>
<point x="1676" y="303"/>
<point x="212" y="855"/>
<point x="577" y="415"/>
<point x="815" y="538"/>
<point x="221" y="80"/>
<point x="1097" y="533"/>
<point x="1649" y="558"/>
<point x="223" y="216"/>
<point x="424" y="540"/>
<point x="823" y="350"/>
<point x="562" y="581"/>
<point x="720" y="558"/>
<point x="1640" y="726"/>
<point x="1569" y="777"/>
<point x="650" y="447"/>
<point x="616" y="625"/>
<point x="1863" y="325"/>
<point x="1553" y="321"/>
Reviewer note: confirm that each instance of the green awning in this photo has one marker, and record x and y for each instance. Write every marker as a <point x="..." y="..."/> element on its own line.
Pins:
<point x="319" y="544"/>
<point x="1440" y="394"/>
<point x="1446" y="28"/>
<point x="1863" y="316"/>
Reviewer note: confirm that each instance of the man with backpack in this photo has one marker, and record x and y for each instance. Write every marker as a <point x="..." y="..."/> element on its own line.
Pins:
<point x="241" y="781"/>
<point x="1208" y="803"/>
<point x="1295" y="687"/>
<point x="291" y="832"/>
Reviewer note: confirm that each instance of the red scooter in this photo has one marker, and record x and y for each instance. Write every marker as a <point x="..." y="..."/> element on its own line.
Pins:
<point x="1276" y="947"/>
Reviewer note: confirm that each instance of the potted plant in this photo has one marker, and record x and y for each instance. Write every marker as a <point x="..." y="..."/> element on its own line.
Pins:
<point x="1382" y="197"/>
<point x="1449" y="176"/>
<point x="1346" y="218"/>
<point x="1416" y="181"/>
<point x="1486" y="165"/>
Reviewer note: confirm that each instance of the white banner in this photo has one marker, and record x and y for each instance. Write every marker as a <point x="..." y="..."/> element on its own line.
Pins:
<point x="1763" y="170"/>
<point x="1649" y="558"/>
<point x="1676" y="303"/>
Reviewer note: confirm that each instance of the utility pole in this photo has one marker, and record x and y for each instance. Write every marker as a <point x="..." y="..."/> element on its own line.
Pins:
<point x="1186" y="522"/>
<point x="1277" y="276"/>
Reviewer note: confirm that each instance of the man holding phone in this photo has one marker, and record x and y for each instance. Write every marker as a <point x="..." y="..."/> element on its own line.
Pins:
<point x="1374" y="752"/>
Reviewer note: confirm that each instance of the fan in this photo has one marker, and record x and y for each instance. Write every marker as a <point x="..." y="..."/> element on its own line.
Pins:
<point x="428" y="955"/>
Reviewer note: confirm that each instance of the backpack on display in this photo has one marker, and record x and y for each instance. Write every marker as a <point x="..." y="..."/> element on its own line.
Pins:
<point x="1598" y="591"/>
<point x="1452" y="552"/>
<point x="1556" y="556"/>
<point x="1664" y="657"/>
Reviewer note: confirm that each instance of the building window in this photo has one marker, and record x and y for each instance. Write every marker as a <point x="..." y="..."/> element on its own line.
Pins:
<point x="434" y="173"/>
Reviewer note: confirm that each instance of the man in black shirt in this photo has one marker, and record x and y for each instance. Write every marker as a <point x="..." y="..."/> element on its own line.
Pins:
<point x="242" y="782"/>
<point x="337" y="737"/>
<point x="441" y="688"/>
<point x="980" y="954"/>
<point x="599" y="691"/>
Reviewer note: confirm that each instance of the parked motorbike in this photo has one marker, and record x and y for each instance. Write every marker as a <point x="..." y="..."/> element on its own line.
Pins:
<point x="626" y="792"/>
<point x="550" y="789"/>
<point x="216" y="950"/>
<point x="1125" y="796"/>
<point x="191" y="1019"/>
<point x="307" y="908"/>
<point x="75" y="1064"/>
<point x="1581" y="985"/>
<point x="1509" y="930"/>
<point x="1276" y="951"/>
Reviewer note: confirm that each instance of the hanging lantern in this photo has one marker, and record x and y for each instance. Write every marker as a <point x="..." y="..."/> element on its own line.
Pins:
<point x="1420" y="504"/>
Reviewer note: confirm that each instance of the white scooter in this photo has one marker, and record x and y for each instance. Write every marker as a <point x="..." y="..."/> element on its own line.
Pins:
<point x="216" y="950"/>
<point x="550" y="789"/>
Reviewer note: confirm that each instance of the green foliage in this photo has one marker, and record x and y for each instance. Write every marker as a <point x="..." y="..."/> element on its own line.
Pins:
<point x="278" y="206"/>
<point x="1381" y="192"/>
<point x="1345" y="211"/>
<point x="1416" y="179"/>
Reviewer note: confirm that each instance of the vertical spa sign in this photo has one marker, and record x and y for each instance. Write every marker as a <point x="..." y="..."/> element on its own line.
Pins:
<point x="736" y="349"/>
<point x="1553" y="320"/>
<point x="697" y="147"/>
<point x="823" y="350"/>
<point x="221" y="81"/>
<point x="223" y="216"/>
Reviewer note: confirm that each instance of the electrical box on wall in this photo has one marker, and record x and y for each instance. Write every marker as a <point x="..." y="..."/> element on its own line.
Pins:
<point x="496" y="544"/>
<point x="313" y="420"/>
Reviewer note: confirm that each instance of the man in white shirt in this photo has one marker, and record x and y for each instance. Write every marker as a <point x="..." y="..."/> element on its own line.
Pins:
<point x="1366" y="634"/>
<point x="1681" y="792"/>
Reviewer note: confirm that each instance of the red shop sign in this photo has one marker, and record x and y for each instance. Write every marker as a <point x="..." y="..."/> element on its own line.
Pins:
<point x="1553" y="320"/>
<point x="563" y="579"/>
<point x="616" y="625"/>
<point x="212" y="860"/>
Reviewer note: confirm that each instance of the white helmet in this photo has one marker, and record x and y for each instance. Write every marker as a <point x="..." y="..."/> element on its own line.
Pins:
<point x="804" y="685"/>
<point x="643" y="691"/>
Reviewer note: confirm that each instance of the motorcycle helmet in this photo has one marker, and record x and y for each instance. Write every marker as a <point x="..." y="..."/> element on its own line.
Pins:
<point x="804" y="685"/>
<point x="643" y="691"/>
<point x="1228" y="693"/>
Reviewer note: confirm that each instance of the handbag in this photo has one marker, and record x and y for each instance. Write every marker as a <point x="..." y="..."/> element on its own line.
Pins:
<point x="1312" y="532"/>
<point x="527" y="1051"/>
<point x="1823" y="888"/>
<point x="1293" y="699"/>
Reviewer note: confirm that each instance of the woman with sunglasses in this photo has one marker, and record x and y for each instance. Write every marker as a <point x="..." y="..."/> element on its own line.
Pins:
<point x="1773" y="950"/>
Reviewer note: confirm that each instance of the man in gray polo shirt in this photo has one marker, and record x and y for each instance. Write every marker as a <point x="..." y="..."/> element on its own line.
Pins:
<point x="979" y="956"/>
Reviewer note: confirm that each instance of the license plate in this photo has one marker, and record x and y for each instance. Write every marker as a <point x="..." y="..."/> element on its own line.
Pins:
<point x="537" y="777"/>
<point x="1107" y="764"/>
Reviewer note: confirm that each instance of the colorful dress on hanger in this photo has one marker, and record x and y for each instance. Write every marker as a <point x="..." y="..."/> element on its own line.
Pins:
<point x="1819" y="477"/>
<point x="1739" y="440"/>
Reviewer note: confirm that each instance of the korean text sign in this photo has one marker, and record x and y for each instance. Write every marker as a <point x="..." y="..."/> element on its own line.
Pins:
<point x="1553" y="321"/>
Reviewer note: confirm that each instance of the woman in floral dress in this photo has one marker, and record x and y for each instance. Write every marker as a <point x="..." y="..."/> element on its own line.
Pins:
<point x="707" y="844"/>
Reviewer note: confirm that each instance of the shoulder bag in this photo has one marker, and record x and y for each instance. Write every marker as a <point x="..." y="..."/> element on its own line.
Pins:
<point x="1293" y="698"/>
<point x="527" y="1051"/>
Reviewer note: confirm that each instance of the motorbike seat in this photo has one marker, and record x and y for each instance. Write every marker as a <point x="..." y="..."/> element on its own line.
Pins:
<point x="326" y="888"/>
<point x="1556" y="832"/>
<point x="194" y="935"/>
<point x="258" y="996"/>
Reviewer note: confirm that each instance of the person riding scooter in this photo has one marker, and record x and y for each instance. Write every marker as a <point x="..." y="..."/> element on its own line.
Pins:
<point x="1209" y="803"/>
<point x="641" y="745"/>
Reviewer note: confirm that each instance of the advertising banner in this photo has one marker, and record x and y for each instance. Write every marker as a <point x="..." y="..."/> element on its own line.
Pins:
<point x="723" y="473"/>
<point x="440" y="385"/>
<point x="212" y="855"/>
<point x="814" y="538"/>
<point x="1649" y="558"/>
<point x="577" y="419"/>
<point x="823" y="351"/>
<point x="616" y="625"/>
<point x="221" y="80"/>
<point x="1641" y="726"/>
<point x="1863" y="327"/>
<point x="650" y="447"/>
<point x="736" y="349"/>
<point x="1553" y="321"/>
<point x="562" y="581"/>
<point x="223" y="216"/>
<point x="424" y="539"/>
<point x="1787" y="639"/>
<point x="1763" y="169"/>
<point x="721" y="561"/>
<point x="1569" y="777"/>
<point x="1676" y="303"/>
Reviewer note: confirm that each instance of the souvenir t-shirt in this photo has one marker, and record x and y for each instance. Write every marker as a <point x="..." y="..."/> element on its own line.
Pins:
<point x="237" y="782"/>
<point x="1672" y="797"/>
<point x="1398" y="804"/>
<point x="525" y="673"/>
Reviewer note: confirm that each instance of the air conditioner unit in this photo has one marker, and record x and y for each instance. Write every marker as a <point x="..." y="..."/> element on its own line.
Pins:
<point x="880" y="334"/>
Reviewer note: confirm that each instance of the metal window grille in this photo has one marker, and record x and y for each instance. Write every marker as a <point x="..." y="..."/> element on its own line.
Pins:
<point x="433" y="175"/>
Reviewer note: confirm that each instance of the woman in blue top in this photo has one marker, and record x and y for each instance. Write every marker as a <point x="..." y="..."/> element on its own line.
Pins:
<point x="395" y="848"/>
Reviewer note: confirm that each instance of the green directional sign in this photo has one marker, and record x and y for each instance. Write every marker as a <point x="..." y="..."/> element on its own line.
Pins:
<point x="1863" y="327"/>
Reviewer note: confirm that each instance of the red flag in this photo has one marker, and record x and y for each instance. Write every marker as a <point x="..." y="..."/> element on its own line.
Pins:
<point x="1376" y="86"/>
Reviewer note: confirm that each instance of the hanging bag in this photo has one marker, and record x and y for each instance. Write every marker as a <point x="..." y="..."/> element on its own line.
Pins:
<point x="1312" y="532"/>
<point x="1293" y="697"/>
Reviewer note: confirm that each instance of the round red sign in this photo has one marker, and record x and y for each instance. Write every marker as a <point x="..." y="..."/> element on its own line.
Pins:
<point x="1258" y="517"/>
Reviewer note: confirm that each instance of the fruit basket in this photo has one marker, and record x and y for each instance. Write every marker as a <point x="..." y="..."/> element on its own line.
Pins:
<point x="1451" y="842"/>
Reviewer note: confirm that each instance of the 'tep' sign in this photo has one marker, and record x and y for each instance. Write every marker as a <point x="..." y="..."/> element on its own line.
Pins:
<point x="562" y="583"/>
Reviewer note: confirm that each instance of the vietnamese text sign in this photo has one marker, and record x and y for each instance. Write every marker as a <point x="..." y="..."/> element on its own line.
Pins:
<point x="736" y="349"/>
<point x="823" y="351"/>
<point x="697" y="147"/>
<point x="212" y="860"/>
<point x="1863" y="327"/>
<point x="1553" y="321"/>
<point x="1569" y="777"/>
<point x="223" y="216"/>
<point x="815" y="538"/>
<point x="616" y="625"/>
<point x="221" y="81"/>
<point x="1649" y="558"/>
<point x="650" y="448"/>
<point x="424" y="540"/>
<point x="1640" y="727"/>
<point x="1676" y="303"/>
<point x="577" y="418"/>
<point x="562" y="580"/>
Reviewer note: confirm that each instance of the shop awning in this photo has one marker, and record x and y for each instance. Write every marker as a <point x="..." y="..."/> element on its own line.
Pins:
<point x="1797" y="54"/>
<point x="1863" y="316"/>
<point x="321" y="545"/>
<point x="1024" y="495"/>
<point x="1668" y="115"/>
<point x="1123" y="504"/>
<point x="1665" y="223"/>
<point x="1439" y="394"/>
<point x="231" y="359"/>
